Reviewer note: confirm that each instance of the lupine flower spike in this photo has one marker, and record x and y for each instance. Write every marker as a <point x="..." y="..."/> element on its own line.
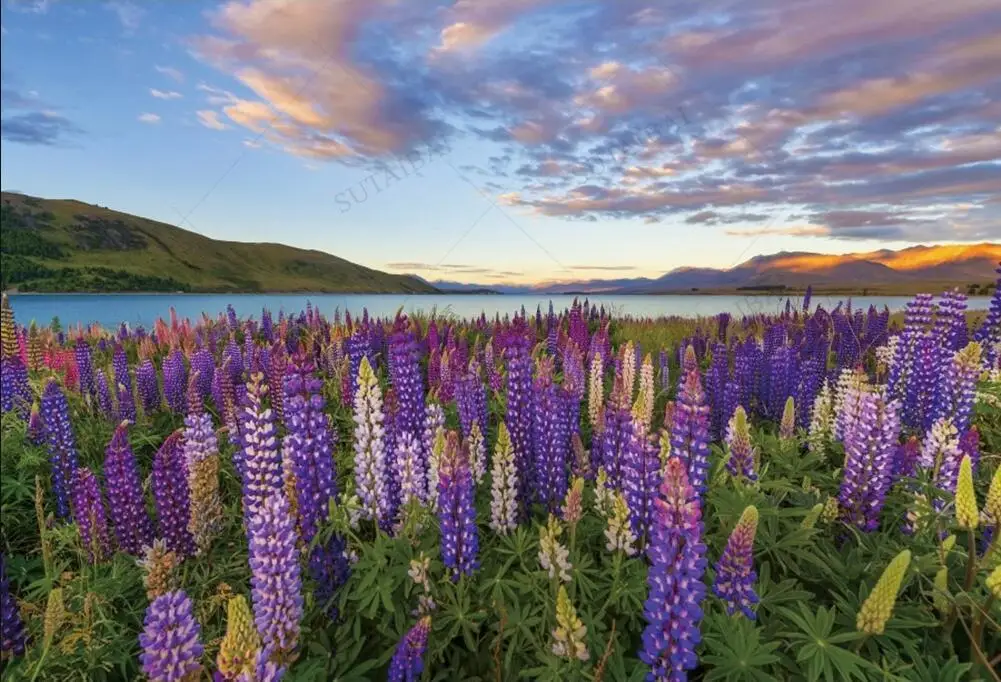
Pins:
<point x="169" y="641"/>
<point x="240" y="645"/>
<point x="275" y="577"/>
<point x="13" y="636"/>
<point x="787" y="428"/>
<point x="967" y="515"/>
<point x="503" y="485"/>
<point x="735" y="573"/>
<point x="408" y="661"/>
<point x="568" y="637"/>
<point x="878" y="607"/>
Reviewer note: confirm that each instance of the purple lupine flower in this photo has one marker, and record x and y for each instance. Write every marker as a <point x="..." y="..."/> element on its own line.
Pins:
<point x="61" y="442"/>
<point x="969" y="444"/>
<point x="90" y="516"/>
<point x="551" y="437"/>
<point x="148" y="386"/>
<point x="738" y="440"/>
<point x="175" y="381"/>
<point x="456" y="514"/>
<point x="16" y="389"/>
<point x="172" y="496"/>
<point x="408" y="660"/>
<point x="123" y="384"/>
<point x="950" y="322"/>
<point x="330" y="569"/>
<point x="988" y="334"/>
<point x="690" y="432"/>
<point x="735" y="575"/>
<point x="84" y="367"/>
<point x="309" y="445"/>
<point x="133" y="528"/>
<point x="958" y="387"/>
<point x="231" y="353"/>
<point x="408" y="385"/>
<point x="905" y="462"/>
<point x="261" y="459"/>
<point x="807" y="298"/>
<point x="203" y="365"/>
<point x="274" y="564"/>
<point x="870" y="450"/>
<point x="519" y="413"/>
<point x="716" y="385"/>
<point x="36" y="426"/>
<point x="677" y="555"/>
<point x="471" y="400"/>
<point x="613" y="442"/>
<point x="640" y="478"/>
<point x="13" y="635"/>
<point x="170" y="639"/>
<point x="104" y="396"/>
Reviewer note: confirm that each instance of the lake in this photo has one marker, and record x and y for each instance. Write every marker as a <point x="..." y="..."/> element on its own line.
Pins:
<point x="144" y="309"/>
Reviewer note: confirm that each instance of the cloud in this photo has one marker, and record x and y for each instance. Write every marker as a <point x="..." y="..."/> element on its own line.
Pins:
<point x="149" y="118"/>
<point x="717" y="114"/>
<point x="210" y="119"/>
<point x="26" y="119"/>
<point x="129" y="14"/>
<point x="165" y="94"/>
<point x="170" y="72"/>
<point x="610" y="268"/>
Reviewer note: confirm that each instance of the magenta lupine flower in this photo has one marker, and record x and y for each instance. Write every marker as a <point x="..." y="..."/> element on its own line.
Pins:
<point x="551" y="438"/>
<point x="870" y="451"/>
<point x="276" y="584"/>
<point x="61" y="443"/>
<point x="408" y="660"/>
<point x="261" y="460"/>
<point x="13" y="635"/>
<point x="90" y="516"/>
<point x="456" y="514"/>
<point x="175" y="381"/>
<point x="148" y="386"/>
<point x="172" y="496"/>
<point x="519" y="413"/>
<point x="104" y="401"/>
<point x="640" y="478"/>
<point x="309" y="445"/>
<point x="84" y="367"/>
<point x="677" y="555"/>
<point x="690" y="432"/>
<point x="735" y="574"/>
<point x="133" y="527"/>
<point x="170" y="639"/>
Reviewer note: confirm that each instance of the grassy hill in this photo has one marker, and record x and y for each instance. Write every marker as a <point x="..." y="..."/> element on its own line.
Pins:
<point x="64" y="245"/>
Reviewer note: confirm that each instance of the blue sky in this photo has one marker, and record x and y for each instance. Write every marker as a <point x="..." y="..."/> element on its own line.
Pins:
<point x="516" y="140"/>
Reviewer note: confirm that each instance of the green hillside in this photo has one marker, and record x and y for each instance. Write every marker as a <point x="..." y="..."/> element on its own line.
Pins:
<point x="63" y="245"/>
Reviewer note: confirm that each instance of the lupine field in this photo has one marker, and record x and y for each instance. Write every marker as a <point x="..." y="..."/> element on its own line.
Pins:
<point x="555" y="495"/>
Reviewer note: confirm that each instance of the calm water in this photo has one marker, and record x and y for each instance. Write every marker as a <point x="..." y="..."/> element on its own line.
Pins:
<point x="144" y="309"/>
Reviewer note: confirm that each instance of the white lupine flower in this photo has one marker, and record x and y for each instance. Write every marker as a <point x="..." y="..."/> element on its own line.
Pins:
<point x="628" y="371"/>
<point x="370" y="454"/>
<point x="603" y="496"/>
<point x="847" y="399"/>
<point x="477" y="452"/>
<point x="595" y="391"/>
<point x="821" y="421"/>
<point x="504" y="485"/>
<point x="619" y="533"/>
<point x="553" y="556"/>
<point x="412" y="479"/>
<point x="643" y="407"/>
<point x="434" y="428"/>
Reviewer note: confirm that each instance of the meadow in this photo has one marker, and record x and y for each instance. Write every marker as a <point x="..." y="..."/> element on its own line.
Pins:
<point x="549" y="495"/>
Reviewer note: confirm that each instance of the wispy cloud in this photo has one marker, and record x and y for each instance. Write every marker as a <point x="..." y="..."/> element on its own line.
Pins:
<point x="149" y="118"/>
<point x="129" y="14"/>
<point x="26" y="119"/>
<point x="165" y="94"/>
<point x="170" y="72"/>
<point x="610" y="268"/>
<point x="210" y="119"/>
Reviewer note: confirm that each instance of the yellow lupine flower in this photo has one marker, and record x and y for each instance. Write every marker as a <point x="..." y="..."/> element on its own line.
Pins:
<point x="831" y="510"/>
<point x="948" y="544"/>
<point x="239" y="647"/>
<point x="940" y="597"/>
<point x="878" y="607"/>
<point x="967" y="515"/>
<point x="994" y="582"/>
<point x="993" y="504"/>
<point x="55" y="614"/>
<point x="810" y="520"/>
<point x="570" y="631"/>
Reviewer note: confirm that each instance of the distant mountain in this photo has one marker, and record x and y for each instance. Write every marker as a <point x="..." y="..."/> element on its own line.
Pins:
<point x="909" y="269"/>
<point x="64" y="245"/>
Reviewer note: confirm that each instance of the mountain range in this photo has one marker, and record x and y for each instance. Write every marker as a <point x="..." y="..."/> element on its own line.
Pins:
<point x="917" y="268"/>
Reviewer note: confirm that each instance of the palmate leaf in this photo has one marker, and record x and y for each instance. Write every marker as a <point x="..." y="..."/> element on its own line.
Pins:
<point x="734" y="650"/>
<point x="818" y="652"/>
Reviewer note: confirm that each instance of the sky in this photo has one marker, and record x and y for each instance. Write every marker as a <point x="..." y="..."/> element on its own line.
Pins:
<point x="516" y="140"/>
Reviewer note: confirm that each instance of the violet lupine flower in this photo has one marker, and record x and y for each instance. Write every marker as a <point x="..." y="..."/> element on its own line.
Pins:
<point x="456" y="514"/>
<point x="690" y="431"/>
<point x="104" y="396"/>
<point x="90" y="516"/>
<point x="735" y="574"/>
<point x="13" y="635"/>
<point x="959" y="386"/>
<point x="231" y="353"/>
<point x="408" y="660"/>
<point x="36" y="427"/>
<point x="126" y="404"/>
<point x="16" y="392"/>
<point x="261" y="459"/>
<point x="309" y="444"/>
<point x="870" y="450"/>
<point x="170" y="639"/>
<point x="405" y="377"/>
<point x="277" y="367"/>
<point x="716" y="384"/>
<point x="371" y="473"/>
<point x="969" y="444"/>
<point x="84" y="367"/>
<point x="677" y="554"/>
<point x="133" y="527"/>
<point x="203" y="365"/>
<point x="330" y="569"/>
<point x="551" y="437"/>
<point x="519" y="414"/>
<point x="471" y="400"/>
<point x="988" y="334"/>
<point x="613" y="441"/>
<point x="950" y="322"/>
<point x="276" y="584"/>
<point x="640" y="478"/>
<point x="123" y="382"/>
<point x="175" y="381"/>
<point x="148" y="386"/>
<point x="172" y="496"/>
<point x="61" y="442"/>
